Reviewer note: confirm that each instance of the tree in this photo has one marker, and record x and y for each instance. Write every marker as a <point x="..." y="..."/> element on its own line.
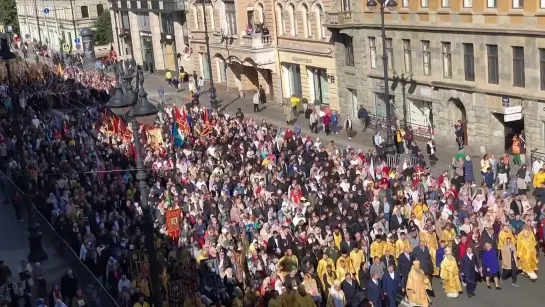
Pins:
<point x="8" y="15"/>
<point x="103" y="29"/>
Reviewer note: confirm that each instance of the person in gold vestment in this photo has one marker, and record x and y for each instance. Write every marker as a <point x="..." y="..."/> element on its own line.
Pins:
<point x="526" y="252"/>
<point x="504" y="234"/>
<point x="430" y="240"/>
<point x="448" y="234"/>
<point x="390" y="246"/>
<point x="450" y="274"/>
<point x="342" y="269"/>
<point x="377" y="247"/>
<point x="417" y="286"/>
<point x="322" y="267"/>
<point x="357" y="256"/>
<point x="401" y="244"/>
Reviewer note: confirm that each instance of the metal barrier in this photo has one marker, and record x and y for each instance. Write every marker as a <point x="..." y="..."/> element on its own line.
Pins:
<point x="401" y="161"/>
<point x="536" y="155"/>
<point x="94" y="291"/>
<point x="377" y="122"/>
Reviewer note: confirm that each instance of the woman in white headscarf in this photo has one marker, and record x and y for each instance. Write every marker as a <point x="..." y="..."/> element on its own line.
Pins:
<point x="336" y="296"/>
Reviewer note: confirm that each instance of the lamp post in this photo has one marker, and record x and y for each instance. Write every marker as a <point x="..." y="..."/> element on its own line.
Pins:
<point x="38" y="23"/>
<point x="143" y="113"/>
<point x="37" y="253"/>
<point x="212" y="89"/>
<point x="117" y="34"/>
<point x="390" y="148"/>
<point x="404" y="79"/>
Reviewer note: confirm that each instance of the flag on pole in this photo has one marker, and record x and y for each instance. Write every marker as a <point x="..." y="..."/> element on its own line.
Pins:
<point x="178" y="140"/>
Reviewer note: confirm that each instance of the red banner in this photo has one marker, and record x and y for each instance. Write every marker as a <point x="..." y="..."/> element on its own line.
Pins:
<point x="172" y="218"/>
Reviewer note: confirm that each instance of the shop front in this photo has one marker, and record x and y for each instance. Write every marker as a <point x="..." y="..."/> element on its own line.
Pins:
<point x="147" y="52"/>
<point x="309" y="76"/>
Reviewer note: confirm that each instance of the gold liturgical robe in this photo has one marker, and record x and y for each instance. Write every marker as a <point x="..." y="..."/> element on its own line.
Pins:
<point x="341" y="272"/>
<point x="503" y="235"/>
<point x="322" y="267"/>
<point x="346" y="261"/>
<point x="400" y="245"/>
<point x="337" y="238"/>
<point x="448" y="236"/>
<point x="417" y="284"/>
<point x="450" y="275"/>
<point x="357" y="257"/>
<point x="391" y="247"/>
<point x="430" y="239"/>
<point x="377" y="249"/>
<point x="526" y="251"/>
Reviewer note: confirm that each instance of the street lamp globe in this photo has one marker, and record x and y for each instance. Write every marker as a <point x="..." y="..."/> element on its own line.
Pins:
<point x="391" y="3"/>
<point x="372" y="3"/>
<point x="145" y="112"/>
<point x="118" y="104"/>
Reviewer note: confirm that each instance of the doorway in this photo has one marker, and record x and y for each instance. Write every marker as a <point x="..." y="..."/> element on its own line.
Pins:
<point x="457" y="111"/>
<point x="511" y="129"/>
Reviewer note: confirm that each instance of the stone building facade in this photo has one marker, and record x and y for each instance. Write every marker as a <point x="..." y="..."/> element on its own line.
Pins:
<point x="481" y="62"/>
<point x="293" y="57"/>
<point x="56" y="27"/>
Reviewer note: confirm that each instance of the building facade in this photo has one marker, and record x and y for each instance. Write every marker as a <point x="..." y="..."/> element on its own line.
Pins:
<point x="151" y="32"/>
<point x="478" y="61"/>
<point x="62" y="22"/>
<point x="281" y="46"/>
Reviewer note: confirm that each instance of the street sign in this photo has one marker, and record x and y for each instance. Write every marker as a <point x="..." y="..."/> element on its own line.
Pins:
<point x="78" y="46"/>
<point x="77" y="40"/>
<point x="66" y="47"/>
<point x="46" y="10"/>
<point x="512" y="117"/>
<point x="27" y="36"/>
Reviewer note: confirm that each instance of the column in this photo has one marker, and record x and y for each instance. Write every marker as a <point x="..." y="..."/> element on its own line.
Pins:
<point x="156" y="41"/>
<point x="116" y="34"/>
<point x="135" y="38"/>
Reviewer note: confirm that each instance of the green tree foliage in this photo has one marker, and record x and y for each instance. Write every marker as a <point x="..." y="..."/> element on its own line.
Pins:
<point x="103" y="29"/>
<point x="8" y="14"/>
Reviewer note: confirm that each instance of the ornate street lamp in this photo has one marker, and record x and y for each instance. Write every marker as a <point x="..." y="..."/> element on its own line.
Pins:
<point x="390" y="144"/>
<point x="140" y="113"/>
<point x="36" y="253"/>
<point x="212" y="89"/>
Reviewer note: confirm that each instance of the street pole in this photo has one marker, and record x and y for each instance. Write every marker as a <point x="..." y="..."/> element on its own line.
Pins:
<point x="26" y="21"/>
<point x="57" y="31"/>
<point x="141" y="176"/>
<point x="37" y="253"/>
<point x="211" y="90"/>
<point x="117" y="34"/>
<point x="38" y="22"/>
<point x="390" y="148"/>
<point x="176" y="64"/>
<point x="73" y="21"/>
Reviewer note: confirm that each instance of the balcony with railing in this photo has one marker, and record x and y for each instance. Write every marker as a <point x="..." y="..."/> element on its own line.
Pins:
<point x="339" y="18"/>
<point x="256" y="41"/>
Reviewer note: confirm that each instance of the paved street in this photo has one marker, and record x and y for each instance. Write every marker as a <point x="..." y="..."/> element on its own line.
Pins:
<point x="528" y="293"/>
<point x="14" y="247"/>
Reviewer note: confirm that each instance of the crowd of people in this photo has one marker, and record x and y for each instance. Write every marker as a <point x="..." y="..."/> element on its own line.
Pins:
<point x="287" y="219"/>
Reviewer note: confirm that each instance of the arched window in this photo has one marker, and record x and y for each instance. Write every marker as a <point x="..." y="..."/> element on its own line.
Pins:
<point x="210" y="17"/>
<point x="196" y="16"/>
<point x="319" y="25"/>
<point x="291" y="15"/>
<point x="306" y="21"/>
<point x="279" y="19"/>
<point x="258" y="16"/>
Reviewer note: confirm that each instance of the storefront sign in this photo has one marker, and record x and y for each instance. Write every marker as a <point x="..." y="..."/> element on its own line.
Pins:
<point x="202" y="48"/>
<point x="145" y="34"/>
<point x="425" y="91"/>
<point x="512" y="110"/>
<point x="301" y="60"/>
<point x="331" y="78"/>
<point x="512" y="117"/>
<point x="505" y="102"/>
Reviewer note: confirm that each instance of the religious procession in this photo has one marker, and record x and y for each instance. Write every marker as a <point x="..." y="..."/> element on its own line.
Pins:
<point x="277" y="217"/>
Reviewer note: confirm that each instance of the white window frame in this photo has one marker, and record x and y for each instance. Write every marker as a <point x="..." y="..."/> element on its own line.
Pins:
<point x="492" y="4"/>
<point x="542" y="4"/>
<point x="280" y="19"/>
<point x="468" y="3"/>
<point x="307" y="26"/>
<point x="426" y="58"/>
<point x="518" y="4"/>
<point x="445" y="3"/>
<point x="424" y="3"/>
<point x="390" y="53"/>
<point x="293" y="23"/>
<point x="446" y="49"/>
<point x="405" y="3"/>
<point x="195" y="10"/>
<point x="373" y="52"/>
<point x="407" y="56"/>
<point x="319" y="24"/>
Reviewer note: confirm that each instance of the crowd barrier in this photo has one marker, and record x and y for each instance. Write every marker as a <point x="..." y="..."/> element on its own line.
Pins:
<point x="436" y="168"/>
<point x="94" y="291"/>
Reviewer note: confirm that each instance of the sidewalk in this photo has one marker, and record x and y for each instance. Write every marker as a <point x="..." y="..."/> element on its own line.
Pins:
<point x="272" y="113"/>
